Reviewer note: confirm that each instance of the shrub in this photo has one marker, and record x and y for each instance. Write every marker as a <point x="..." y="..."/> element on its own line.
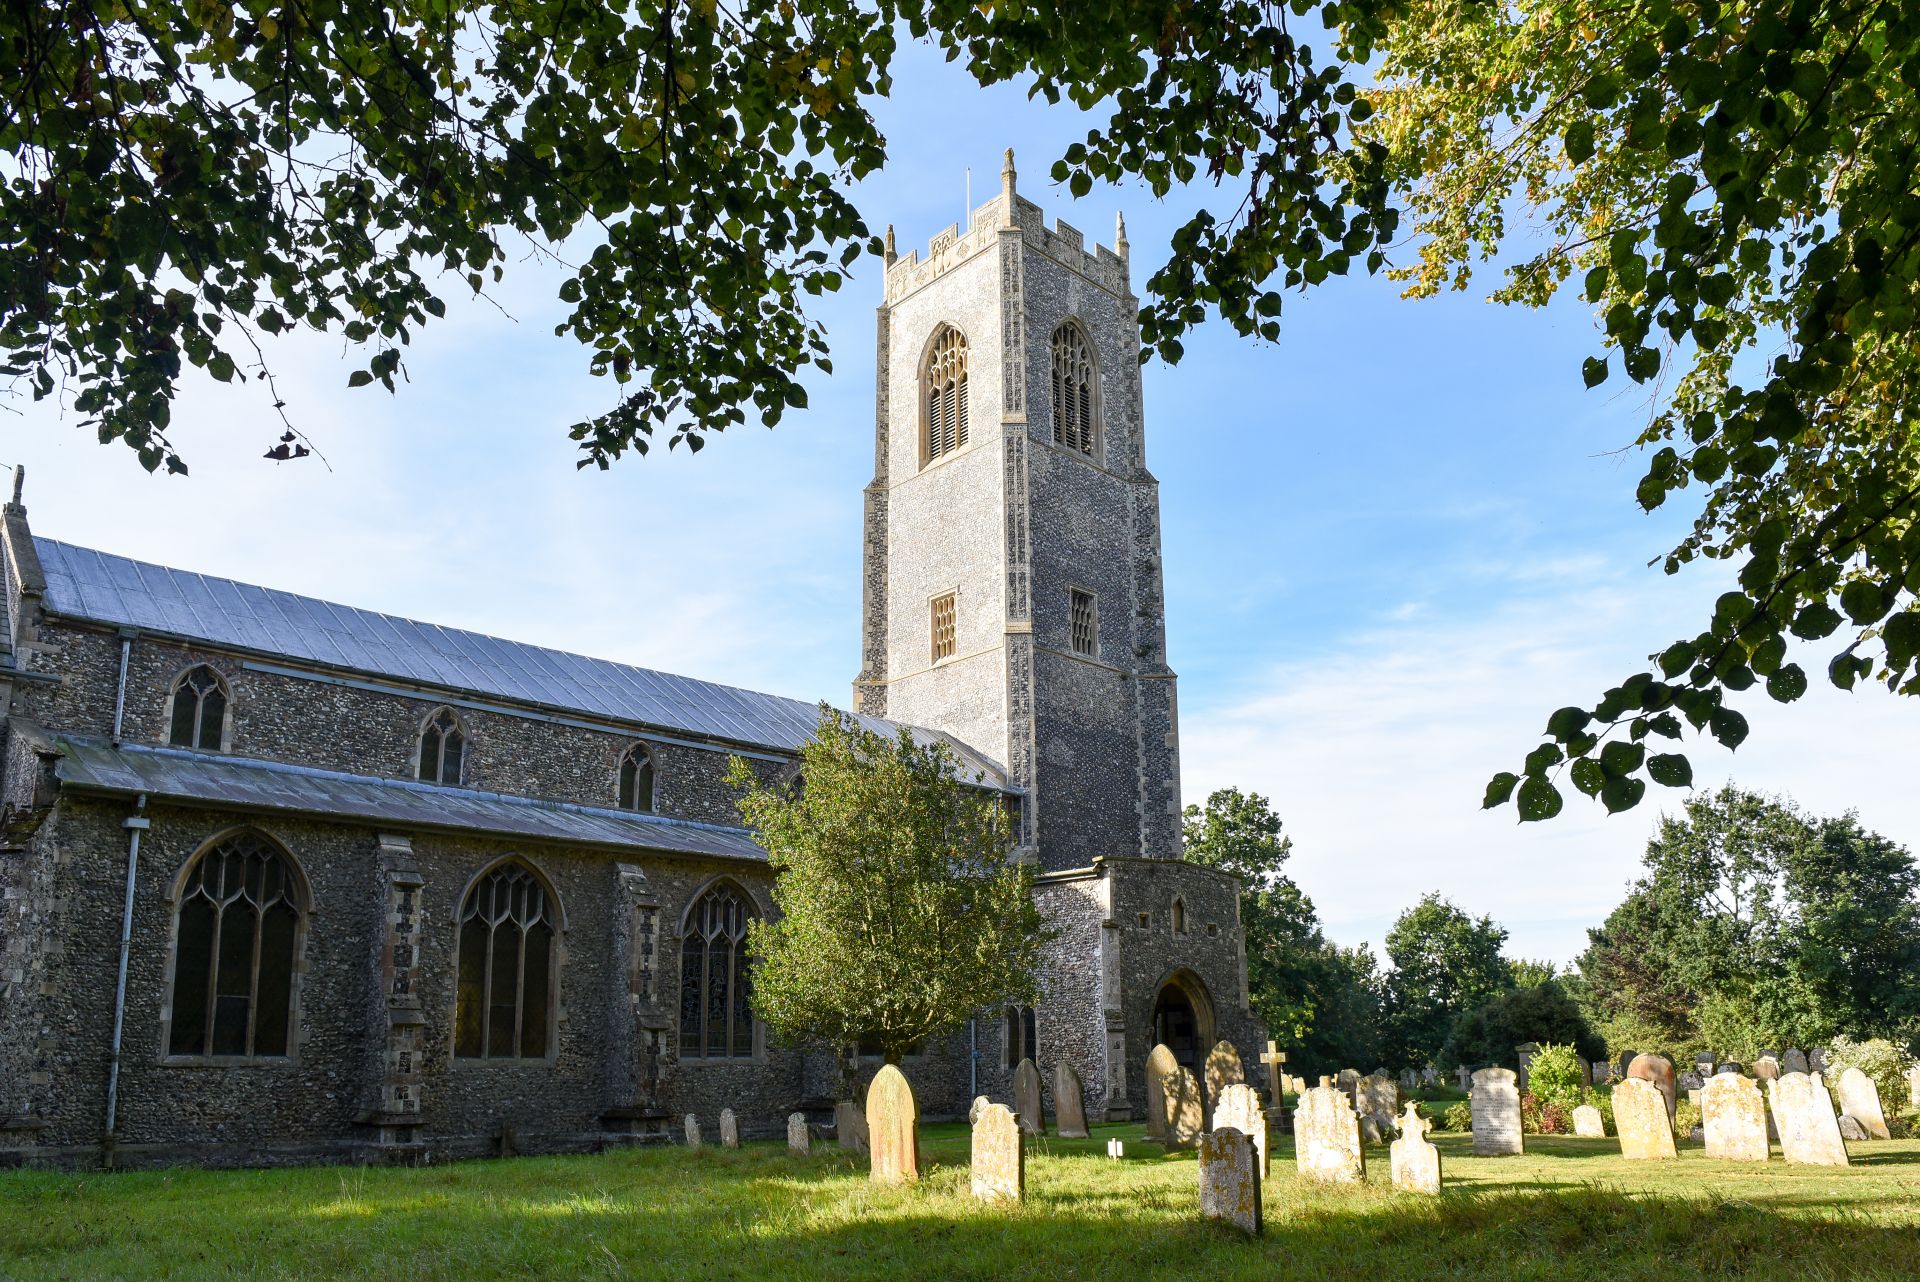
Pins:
<point x="1554" y="1076"/>
<point x="1879" y="1059"/>
<point x="1686" y="1116"/>
<point x="1529" y="1113"/>
<point x="1458" y="1117"/>
<point x="1556" y="1119"/>
<point x="1603" y="1100"/>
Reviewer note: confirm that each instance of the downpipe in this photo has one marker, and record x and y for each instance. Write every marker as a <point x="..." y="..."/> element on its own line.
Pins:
<point x="135" y="824"/>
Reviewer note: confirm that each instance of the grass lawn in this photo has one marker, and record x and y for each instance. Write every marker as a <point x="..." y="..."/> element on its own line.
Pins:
<point x="1569" y="1210"/>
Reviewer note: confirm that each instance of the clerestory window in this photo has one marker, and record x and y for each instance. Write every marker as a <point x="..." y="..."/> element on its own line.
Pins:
<point x="636" y="779"/>
<point x="199" y="710"/>
<point x="443" y="747"/>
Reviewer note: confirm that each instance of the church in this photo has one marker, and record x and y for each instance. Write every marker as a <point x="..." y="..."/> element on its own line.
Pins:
<point x="287" y="881"/>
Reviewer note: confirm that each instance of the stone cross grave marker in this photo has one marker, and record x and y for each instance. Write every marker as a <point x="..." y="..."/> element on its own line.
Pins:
<point x="1464" y="1076"/>
<point x="1230" y="1178"/>
<point x="1026" y="1098"/>
<point x="1069" y="1103"/>
<point x="1416" y="1162"/>
<point x="1223" y="1069"/>
<point x="1239" y="1108"/>
<point x="799" y="1138"/>
<point x="1640" y="1115"/>
<point x="1185" y="1118"/>
<point x="1803" y="1114"/>
<point x="729" y="1129"/>
<point x="1496" y="1113"/>
<point x="999" y="1156"/>
<point x="1860" y="1100"/>
<point x="1588" y="1124"/>
<point x="850" y="1126"/>
<point x="691" y="1125"/>
<point x="1326" y="1136"/>
<point x="1275" y="1059"/>
<point x="1160" y="1067"/>
<point x="893" y="1128"/>
<point x="1733" y="1114"/>
<point x="1657" y="1069"/>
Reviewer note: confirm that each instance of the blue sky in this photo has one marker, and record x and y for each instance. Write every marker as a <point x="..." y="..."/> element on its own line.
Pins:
<point x="1394" y="541"/>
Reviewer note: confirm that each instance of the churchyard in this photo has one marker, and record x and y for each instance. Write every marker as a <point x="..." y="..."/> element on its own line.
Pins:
<point x="1567" y="1208"/>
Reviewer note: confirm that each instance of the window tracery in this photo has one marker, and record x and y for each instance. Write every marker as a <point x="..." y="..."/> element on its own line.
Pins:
<point x="946" y="393"/>
<point x="1073" y="389"/>
<point x="199" y="710"/>
<point x="504" y="996"/>
<point x="716" y="982"/>
<point x="236" y="940"/>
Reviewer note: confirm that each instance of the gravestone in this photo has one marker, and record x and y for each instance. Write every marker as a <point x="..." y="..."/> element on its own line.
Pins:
<point x="1185" y="1119"/>
<point x="1860" y="1100"/>
<point x="1349" y="1081"/>
<point x="1625" y="1062"/>
<point x="729" y="1129"/>
<point x="1734" y="1115"/>
<point x="893" y="1128"/>
<point x="1409" y="1080"/>
<point x="1429" y="1076"/>
<point x="1730" y="1066"/>
<point x="1703" y="1066"/>
<point x="1370" y="1133"/>
<point x="1803" y="1114"/>
<point x="1794" y="1061"/>
<point x="1026" y="1098"/>
<point x="1416" y="1163"/>
<point x="999" y="1156"/>
<point x="1603" y="1072"/>
<point x="1817" y="1060"/>
<point x="691" y="1125"/>
<point x="1239" y="1108"/>
<point x="1464" y="1076"/>
<point x="974" y="1109"/>
<point x="1657" y="1069"/>
<point x="1586" y="1071"/>
<point x="1069" y="1104"/>
<point x="1524" y="1053"/>
<point x="1766" y="1068"/>
<point x="1691" y="1081"/>
<point x="1640" y="1118"/>
<point x="1275" y="1059"/>
<point x="1326" y="1136"/>
<point x="1160" y="1067"/>
<point x="1222" y="1069"/>
<point x="1379" y="1099"/>
<point x="1496" y="1113"/>
<point x="850" y="1126"/>
<point x="1693" y="1094"/>
<point x="799" y="1138"/>
<point x="1913" y="1087"/>
<point x="1851" y="1129"/>
<point x="1588" y="1124"/>
<point x="1230" y="1177"/>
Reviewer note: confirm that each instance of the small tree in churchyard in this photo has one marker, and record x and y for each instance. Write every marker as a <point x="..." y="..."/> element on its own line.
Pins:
<point x="900" y="913"/>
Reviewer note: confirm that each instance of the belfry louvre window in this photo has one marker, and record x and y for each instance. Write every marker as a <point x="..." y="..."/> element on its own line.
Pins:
<point x="1083" y="622"/>
<point x="503" y="1008"/>
<point x="716" y="985"/>
<point x="199" y="709"/>
<point x="237" y="935"/>
<point x="946" y="392"/>
<point x="1073" y="384"/>
<point x="943" y="627"/>
<point x="443" y="747"/>
<point x="636" y="779"/>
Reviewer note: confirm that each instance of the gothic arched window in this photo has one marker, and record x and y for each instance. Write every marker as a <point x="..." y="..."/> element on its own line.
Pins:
<point x="946" y="393"/>
<point x="1073" y="388"/>
<point x="1179" y="916"/>
<point x="1022" y="1036"/>
<point x="443" y="747"/>
<point x="504" y="1003"/>
<point x="716" y="1019"/>
<point x="199" y="710"/>
<point x="636" y="779"/>
<point x="236" y="939"/>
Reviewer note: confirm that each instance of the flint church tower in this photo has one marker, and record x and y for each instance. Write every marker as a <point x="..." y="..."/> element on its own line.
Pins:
<point x="1013" y="599"/>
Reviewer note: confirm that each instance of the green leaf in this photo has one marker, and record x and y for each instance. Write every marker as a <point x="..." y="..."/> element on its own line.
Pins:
<point x="1579" y="141"/>
<point x="1670" y="770"/>
<point x="1619" y="758"/>
<point x="1787" y="683"/>
<point x="1499" y="789"/>
<point x="1622" y="794"/>
<point x="1594" y="370"/>
<point x="1588" y="776"/>
<point x="359" y="378"/>
<point x="1568" y="722"/>
<point x="1539" y="799"/>
<point x="1728" y="726"/>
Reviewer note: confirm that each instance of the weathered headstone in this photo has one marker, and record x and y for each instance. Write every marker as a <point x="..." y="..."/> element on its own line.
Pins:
<point x="1730" y="1066"/>
<point x="1409" y="1080"/>
<point x="1794" y="1061"/>
<point x="999" y="1156"/>
<point x="1703" y="1066"/>
<point x="1625" y="1062"/>
<point x="850" y="1126"/>
<point x="1860" y="1099"/>
<point x="1496" y="1113"/>
<point x="1349" y="1081"/>
<point x="1851" y="1129"/>
<point x="1693" y="1095"/>
<point x="893" y="1128"/>
<point x="1326" y="1136"/>
<point x="1766" y="1068"/>
<point x="1586" y="1070"/>
<point x="1069" y="1104"/>
<point x="1803" y="1114"/>
<point x="1026" y="1098"/>
<point x="1230" y="1177"/>
<point x="1524" y="1053"/>
<point x="729" y="1129"/>
<point x="1640" y="1117"/>
<point x="1817" y="1060"/>
<point x="1657" y="1069"/>
<point x="1588" y="1124"/>
<point x="691" y="1125"/>
<point x="1378" y="1098"/>
<point x="799" y="1138"/>
<point x="1416" y="1163"/>
<point x="1239" y="1107"/>
<point x="1223" y="1068"/>
<point x="1464" y="1076"/>
<point x="1734" y="1115"/>
<point x="1691" y="1081"/>
<point x="1913" y="1087"/>
<point x="1185" y="1117"/>
<point x="978" y="1106"/>
<point x="1370" y="1133"/>
<point x="1160" y="1066"/>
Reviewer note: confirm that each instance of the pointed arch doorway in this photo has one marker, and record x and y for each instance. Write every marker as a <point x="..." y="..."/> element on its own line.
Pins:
<point x="1183" y="1019"/>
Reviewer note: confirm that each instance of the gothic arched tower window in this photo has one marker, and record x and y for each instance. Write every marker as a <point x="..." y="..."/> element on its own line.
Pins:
<point x="636" y="779"/>
<point x="716" y="1018"/>
<point x="503" y="1008"/>
<point x="236" y="938"/>
<point x="1074" y="384"/>
<point x="443" y="747"/>
<point x="945" y="393"/>
<point x="199" y="713"/>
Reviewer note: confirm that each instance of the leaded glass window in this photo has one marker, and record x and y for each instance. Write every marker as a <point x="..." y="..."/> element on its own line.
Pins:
<point x="199" y="710"/>
<point x="1073" y="389"/>
<point x="946" y="393"/>
<point x="636" y="779"/>
<point x="945" y="634"/>
<point x="504" y="1004"/>
<point x="236" y="937"/>
<point x="716" y="984"/>
<point x="443" y="747"/>
<point x="1083" y="622"/>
